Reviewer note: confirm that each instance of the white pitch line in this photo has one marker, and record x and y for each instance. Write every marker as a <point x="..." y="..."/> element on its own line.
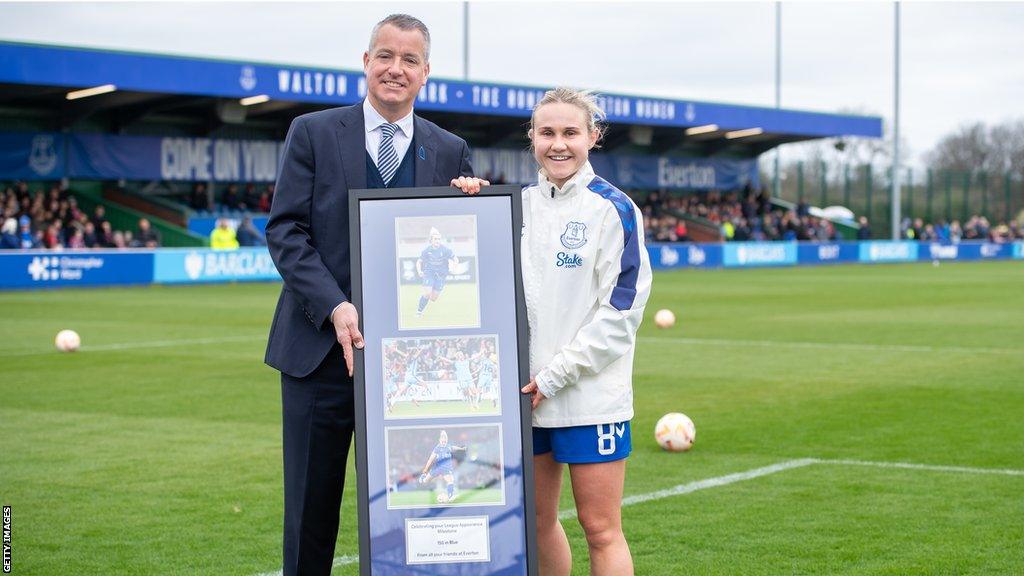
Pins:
<point x="717" y="481"/>
<point x="142" y="345"/>
<point x="926" y="467"/>
<point x="704" y="484"/>
<point x="834" y="345"/>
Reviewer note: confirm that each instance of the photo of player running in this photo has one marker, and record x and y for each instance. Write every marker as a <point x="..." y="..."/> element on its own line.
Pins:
<point x="437" y="272"/>
<point x="444" y="466"/>
<point x="433" y="266"/>
<point x="441" y="376"/>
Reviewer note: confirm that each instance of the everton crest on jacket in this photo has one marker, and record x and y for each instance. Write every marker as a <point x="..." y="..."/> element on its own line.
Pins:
<point x="587" y="277"/>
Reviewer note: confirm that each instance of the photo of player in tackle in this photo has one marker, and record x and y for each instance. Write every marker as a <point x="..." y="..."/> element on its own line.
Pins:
<point x="444" y="466"/>
<point x="437" y="272"/>
<point x="441" y="376"/>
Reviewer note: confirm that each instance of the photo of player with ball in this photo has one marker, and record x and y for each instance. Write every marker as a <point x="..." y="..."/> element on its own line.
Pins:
<point x="445" y="466"/>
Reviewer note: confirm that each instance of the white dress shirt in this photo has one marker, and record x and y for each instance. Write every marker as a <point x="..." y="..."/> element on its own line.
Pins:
<point x="373" y="120"/>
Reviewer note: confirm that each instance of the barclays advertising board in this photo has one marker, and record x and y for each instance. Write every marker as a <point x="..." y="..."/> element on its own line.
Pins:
<point x="189" y="266"/>
<point x="881" y="251"/>
<point x="759" y="254"/>
<point x="1018" y="250"/>
<point x="45" y="269"/>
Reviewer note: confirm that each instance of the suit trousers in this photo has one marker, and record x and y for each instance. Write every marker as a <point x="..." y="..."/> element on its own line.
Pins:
<point x="318" y="423"/>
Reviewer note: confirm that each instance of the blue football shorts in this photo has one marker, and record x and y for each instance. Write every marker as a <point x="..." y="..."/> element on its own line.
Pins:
<point x="434" y="281"/>
<point x="588" y="444"/>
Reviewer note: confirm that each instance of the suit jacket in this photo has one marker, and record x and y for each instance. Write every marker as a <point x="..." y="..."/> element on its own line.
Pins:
<point x="308" y="231"/>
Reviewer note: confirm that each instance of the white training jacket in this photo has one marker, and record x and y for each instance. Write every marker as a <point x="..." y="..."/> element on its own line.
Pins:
<point x="587" y="277"/>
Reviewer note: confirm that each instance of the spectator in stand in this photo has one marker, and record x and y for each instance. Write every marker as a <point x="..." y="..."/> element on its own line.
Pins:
<point x="248" y="235"/>
<point x="864" y="232"/>
<point x="89" y="235"/>
<point x="199" y="199"/>
<point x="106" y="236"/>
<point x="99" y="216"/>
<point x="229" y="200"/>
<point x="264" y="203"/>
<point x="77" y="241"/>
<point x="27" y="237"/>
<point x="251" y="198"/>
<point x="223" y="236"/>
<point x="9" y="235"/>
<point x="118" y="240"/>
<point x="53" y="239"/>
<point x="682" y="233"/>
<point x="953" y="232"/>
<point x="146" y="237"/>
<point x="742" y="230"/>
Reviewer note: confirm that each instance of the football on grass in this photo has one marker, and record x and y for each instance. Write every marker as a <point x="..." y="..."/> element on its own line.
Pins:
<point x="675" y="432"/>
<point x="664" y="318"/>
<point x="67" y="341"/>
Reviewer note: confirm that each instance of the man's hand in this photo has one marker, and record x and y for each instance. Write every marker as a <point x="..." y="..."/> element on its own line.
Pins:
<point x="469" y="184"/>
<point x="346" y="328"/>
<point x="537" y="396"/>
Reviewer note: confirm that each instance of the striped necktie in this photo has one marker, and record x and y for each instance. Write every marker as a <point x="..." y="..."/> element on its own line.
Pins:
<point x="387" y="157"/>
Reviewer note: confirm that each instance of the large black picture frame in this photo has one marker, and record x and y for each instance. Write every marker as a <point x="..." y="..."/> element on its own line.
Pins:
<point x="407" y="206"/>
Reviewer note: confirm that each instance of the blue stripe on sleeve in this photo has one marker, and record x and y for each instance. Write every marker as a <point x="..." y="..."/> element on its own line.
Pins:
<point x="625" y="288"/>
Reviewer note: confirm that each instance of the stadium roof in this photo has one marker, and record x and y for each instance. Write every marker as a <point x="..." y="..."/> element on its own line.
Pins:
<point x="204" y="95"/>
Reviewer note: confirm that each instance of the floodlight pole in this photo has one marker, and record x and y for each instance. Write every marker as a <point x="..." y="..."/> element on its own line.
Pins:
<point x="895" y="196"/>
<point x="776" y="187"/>
<point x="465" y="40"/>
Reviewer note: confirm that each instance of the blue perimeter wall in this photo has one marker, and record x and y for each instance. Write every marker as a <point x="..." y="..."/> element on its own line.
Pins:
<point x="35" y="269"/>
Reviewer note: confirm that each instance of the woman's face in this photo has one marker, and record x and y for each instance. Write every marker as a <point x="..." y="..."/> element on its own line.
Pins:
<point x="561" y="141"/>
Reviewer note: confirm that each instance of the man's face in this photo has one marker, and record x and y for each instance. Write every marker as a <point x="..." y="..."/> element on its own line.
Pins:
<point x="396" y="68"/>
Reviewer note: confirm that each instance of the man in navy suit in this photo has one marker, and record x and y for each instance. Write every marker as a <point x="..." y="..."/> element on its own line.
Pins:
<point x="378" y="143"/>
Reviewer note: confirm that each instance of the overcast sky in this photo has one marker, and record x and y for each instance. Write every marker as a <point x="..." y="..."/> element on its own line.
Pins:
<point x="962" y="62"/>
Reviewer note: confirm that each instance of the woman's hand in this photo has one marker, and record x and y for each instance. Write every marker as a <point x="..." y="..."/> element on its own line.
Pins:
<point x="469" y="184"/>
<point x="537" y="395"/>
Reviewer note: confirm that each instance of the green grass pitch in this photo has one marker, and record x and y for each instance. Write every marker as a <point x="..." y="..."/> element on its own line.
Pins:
<point x="456" y="305"/>
<point x="157" y="448"/>
<point x="412" y="498"/>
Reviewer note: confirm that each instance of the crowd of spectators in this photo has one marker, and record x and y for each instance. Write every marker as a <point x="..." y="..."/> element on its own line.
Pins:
<point x="231" y="199"/>
<point x="976" y="228"/>
<point x="745" y="215"/>
<point x="748" y="215"/>
<point x="52" y="219"/>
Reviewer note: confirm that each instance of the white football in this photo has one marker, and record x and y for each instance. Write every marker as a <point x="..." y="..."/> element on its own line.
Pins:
<point x="664" y="318"/>
<point x="67" y="341"/>
<point x="442" y="498"/>
<point x="675" y="432"/>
